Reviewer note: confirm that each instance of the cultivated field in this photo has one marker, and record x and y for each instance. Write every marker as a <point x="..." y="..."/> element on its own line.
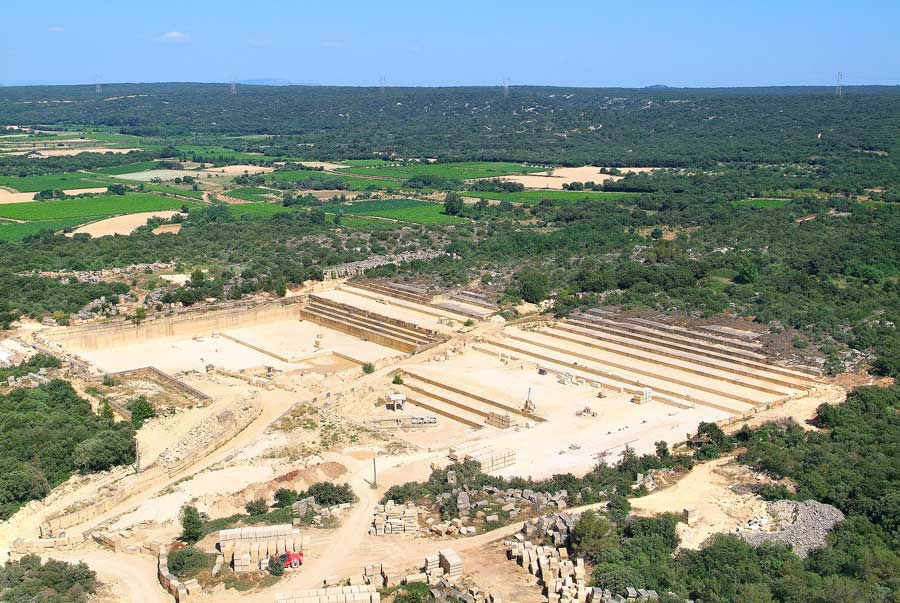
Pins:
<point x="457" y="171"/>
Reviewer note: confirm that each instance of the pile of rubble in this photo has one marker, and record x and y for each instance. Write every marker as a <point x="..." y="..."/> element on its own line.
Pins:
<point x="29" y="380"/>
<point x="557" y="527"/>
<point x="564" y="581"/>
<point x="803" y="526"/>
<point x="393" y="518"/>
<point x="308" y="505"/>
<point x="598" y="595"/>
<point x="454" y="527"/>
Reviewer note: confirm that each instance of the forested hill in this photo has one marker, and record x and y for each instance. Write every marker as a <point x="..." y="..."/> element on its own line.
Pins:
<point x="659" y="126"/>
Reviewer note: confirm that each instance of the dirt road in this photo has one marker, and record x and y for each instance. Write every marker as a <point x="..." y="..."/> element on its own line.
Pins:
<point x="131" y="578"/>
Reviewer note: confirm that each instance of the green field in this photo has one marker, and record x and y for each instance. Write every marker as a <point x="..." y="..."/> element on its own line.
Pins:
<point x="256" y="195"/>
<point x="64" y="180"/>
<point x="532" y="197"/>
<point x="141" y="166"/>
<point x="10" y="232"/>
<point x="357" y="184"/>
<point x="404" y="210"/>
<point x="93" y="207"/>
<point x="457" y="171"/>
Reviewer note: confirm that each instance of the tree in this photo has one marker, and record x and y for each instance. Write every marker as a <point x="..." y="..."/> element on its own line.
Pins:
<point x="191" y="525"/>
<point x="257" y="507"/>
<point x="593" y="535"/>
<point x="453" y="204"/>
<point x="276" y="566"/>
<point x="534" y="286"/>
<point x="141" y="410"/>
<point x="662" y="450"/>
<point x="117" y="189"/>
<point x="285" y="497"/>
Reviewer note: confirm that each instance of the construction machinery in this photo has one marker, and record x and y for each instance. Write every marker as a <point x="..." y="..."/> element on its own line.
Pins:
<point x="290" y="560"/>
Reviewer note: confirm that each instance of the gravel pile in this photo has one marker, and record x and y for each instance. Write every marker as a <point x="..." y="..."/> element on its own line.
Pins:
<point x="802" y="526"/>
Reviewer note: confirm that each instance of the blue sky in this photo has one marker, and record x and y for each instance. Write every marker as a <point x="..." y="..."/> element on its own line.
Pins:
<point x="463" y="42"/>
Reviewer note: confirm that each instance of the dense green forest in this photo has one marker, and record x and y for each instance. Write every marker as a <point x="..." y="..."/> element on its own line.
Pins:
<point x="48" y="433"/>
<point x="693" y="128"/>
<point x="27" y="579"/>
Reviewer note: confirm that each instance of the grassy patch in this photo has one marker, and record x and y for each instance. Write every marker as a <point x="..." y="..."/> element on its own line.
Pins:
<point x="140" y="166"/>
<point x="404" y="210"/>
<point x="107" y="205"/>
<point x="534" y="197"/>
<point x="458" y="171"/>
<point x="11" y="232"/>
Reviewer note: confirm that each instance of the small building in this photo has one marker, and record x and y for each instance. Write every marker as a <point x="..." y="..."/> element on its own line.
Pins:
<point x="396" y="401"/>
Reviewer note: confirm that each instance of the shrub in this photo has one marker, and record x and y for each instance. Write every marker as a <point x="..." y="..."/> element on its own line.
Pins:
<point x="398" y="380"/>
<point x="285" y="497"/>
<point x="328" y="494"/>
<point x="368" y="368"/>
<point x="256" y="507"/>
<point x="276" y="567"/>
<point x="141" y="410"/>
<point x="188" y="561"/>
<point x="191" y="525"/>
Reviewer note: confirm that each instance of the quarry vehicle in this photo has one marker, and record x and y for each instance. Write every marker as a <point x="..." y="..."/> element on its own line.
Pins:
<point x="290" y="560"/>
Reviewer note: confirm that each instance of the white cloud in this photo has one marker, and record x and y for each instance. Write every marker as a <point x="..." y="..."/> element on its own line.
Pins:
<point x="332" y="44"/>
<point x="174" y="37"/>
<point x="56" y="29"/>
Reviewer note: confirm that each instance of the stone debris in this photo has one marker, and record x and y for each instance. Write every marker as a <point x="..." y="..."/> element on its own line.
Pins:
<point x="803" y="526"/>
<point x="564" y="580"/>
<point x="210" y="429"/>
<point x="556" y="527"/>
<point x="393" y="518"/>
<point x="302" y="508"/>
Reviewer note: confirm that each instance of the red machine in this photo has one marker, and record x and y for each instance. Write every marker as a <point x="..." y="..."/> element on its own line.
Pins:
<point x="291" y="560"/>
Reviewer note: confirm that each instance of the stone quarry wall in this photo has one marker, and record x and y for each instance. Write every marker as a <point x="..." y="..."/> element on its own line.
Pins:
<point x="59" y="522"/>
<point x="199" y="321"/>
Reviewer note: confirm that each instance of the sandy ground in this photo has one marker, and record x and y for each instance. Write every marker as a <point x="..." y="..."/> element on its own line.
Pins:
<point x="167" y="229"/>
<point x="7" y="196"/>
<point x="554" y="179"/>
<point x="708" y="489"/>
<point x="10" y="197"/>
<point x="125" y="578"/>
<point x="237" y="170"/>
<point x="120" y="225"/>
<point x="325" y="165"/>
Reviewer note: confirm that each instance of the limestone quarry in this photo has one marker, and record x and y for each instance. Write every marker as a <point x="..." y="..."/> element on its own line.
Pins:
<point x="374" y="383"/>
